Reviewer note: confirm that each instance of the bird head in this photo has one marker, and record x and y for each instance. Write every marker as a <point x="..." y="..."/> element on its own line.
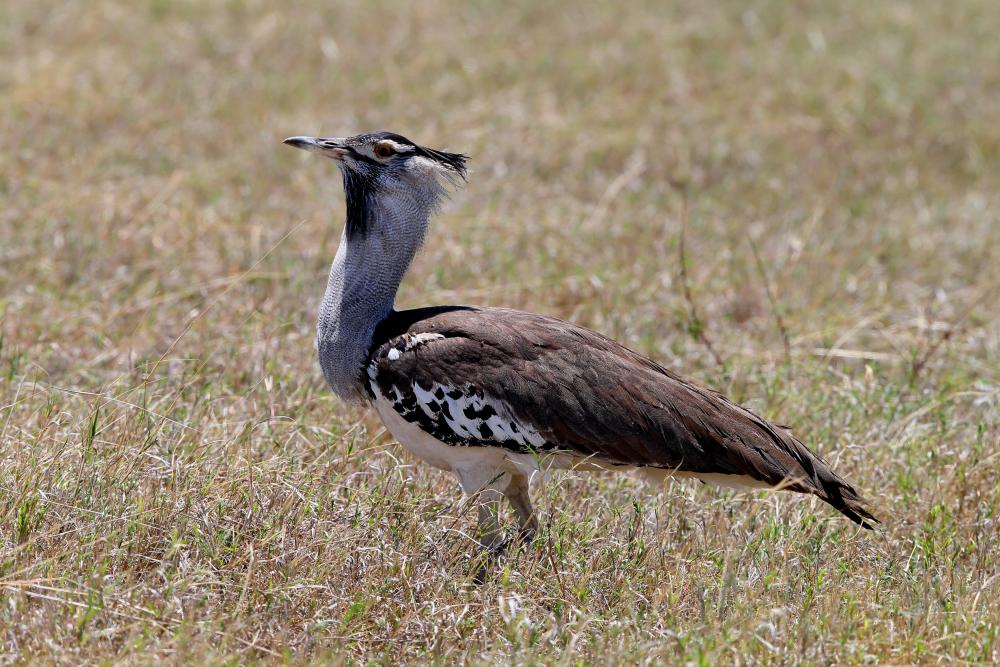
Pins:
<point x="389" y="181"/>
<point x="384" y="161"/>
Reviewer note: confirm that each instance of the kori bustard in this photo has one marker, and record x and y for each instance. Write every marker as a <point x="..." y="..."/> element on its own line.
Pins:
<point x="494" y="395"/>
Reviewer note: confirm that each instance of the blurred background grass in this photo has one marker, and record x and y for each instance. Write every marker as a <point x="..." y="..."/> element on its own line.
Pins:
<point x="176" y="481"/>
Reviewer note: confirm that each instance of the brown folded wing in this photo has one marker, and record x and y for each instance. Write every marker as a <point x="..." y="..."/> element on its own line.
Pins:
<point x="584" y="393"/>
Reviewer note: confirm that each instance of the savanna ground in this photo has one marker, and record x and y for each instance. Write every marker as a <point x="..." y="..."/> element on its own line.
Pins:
<point x="177" y="483"/>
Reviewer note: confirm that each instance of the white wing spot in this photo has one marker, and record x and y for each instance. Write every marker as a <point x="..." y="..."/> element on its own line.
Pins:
<point x="420" y="339"/>
<point x="393" y="354"/>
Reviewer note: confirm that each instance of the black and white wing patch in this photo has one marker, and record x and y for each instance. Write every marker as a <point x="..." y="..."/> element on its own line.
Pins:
<point x="454" y="410"/>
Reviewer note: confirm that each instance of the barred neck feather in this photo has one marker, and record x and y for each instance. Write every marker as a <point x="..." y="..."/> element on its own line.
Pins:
<point x="382" y="234"/>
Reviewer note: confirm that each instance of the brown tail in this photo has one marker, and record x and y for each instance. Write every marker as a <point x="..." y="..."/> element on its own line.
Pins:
<point x="844" y="498"/>
<point x="829" y="486"/>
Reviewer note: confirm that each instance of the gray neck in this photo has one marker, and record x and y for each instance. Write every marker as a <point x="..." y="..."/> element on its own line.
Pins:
<point x="383" y="234"/>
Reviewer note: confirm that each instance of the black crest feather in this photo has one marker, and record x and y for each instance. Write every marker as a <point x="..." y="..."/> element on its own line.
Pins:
<point x="454" y="161"/>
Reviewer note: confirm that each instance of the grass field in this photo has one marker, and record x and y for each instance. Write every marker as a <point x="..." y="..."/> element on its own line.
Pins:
<point x="176" y="483"/>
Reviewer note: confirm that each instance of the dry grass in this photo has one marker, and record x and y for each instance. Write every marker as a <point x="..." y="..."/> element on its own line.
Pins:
<point x="176" y="482"/>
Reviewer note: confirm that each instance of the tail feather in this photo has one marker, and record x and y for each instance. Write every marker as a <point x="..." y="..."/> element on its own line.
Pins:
<point x="845" y="499"/>
<point x="822" y="481"/>
<point x="830" y="487"/>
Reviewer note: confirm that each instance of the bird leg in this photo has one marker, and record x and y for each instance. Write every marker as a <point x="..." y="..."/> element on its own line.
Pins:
<point x="489" y="534"/>
<point x="487" y="496"/>
<point x="520" y="500"/>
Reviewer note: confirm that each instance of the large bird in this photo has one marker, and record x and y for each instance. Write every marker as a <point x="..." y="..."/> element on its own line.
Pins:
<point x="494" y="395"/>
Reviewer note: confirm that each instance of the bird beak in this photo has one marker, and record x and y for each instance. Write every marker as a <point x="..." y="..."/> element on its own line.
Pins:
<point x="333" y="147"/>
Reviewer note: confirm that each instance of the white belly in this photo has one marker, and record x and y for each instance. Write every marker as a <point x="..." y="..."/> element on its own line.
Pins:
<point x="428" y="448"/>
<point x="475" y="467"/>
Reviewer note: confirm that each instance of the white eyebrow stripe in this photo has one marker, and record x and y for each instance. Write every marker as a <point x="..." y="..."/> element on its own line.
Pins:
<point x="399" y="148"/>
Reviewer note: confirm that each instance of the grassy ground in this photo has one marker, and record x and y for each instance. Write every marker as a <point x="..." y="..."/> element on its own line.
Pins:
<point x="176" y="482"/>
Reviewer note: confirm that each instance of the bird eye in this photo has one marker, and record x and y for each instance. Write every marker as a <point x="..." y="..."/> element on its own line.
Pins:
<point x="383" y="149"/>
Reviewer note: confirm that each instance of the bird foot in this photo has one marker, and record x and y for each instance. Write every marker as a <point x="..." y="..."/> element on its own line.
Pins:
<point x="494" y="555"/>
